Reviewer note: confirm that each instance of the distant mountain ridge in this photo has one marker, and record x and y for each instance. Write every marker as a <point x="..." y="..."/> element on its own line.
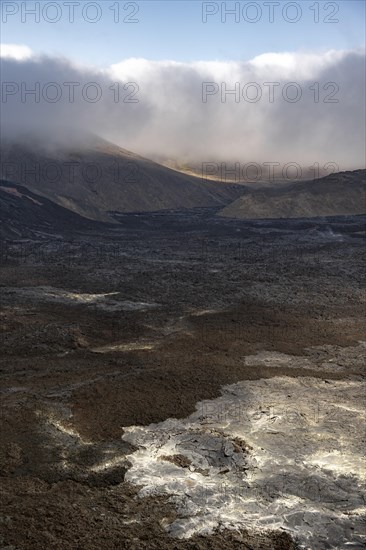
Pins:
<point x="101" y="177"/>
<point x="340" y="194"/>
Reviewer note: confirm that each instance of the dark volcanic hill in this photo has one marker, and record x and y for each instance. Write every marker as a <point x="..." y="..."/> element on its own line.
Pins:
<point x="99" y="177"/>
<point x="25" y="215"/>
<point x="340" y="194"/>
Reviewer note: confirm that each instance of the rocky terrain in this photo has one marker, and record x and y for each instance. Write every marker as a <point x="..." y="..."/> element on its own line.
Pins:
<point x="92" y="177"/>
<point x="182" y="380"/>
<point x="24" y="214"/>
<point x="340" y="194"/>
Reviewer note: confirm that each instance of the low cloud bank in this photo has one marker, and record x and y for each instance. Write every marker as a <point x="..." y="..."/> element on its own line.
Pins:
<point x="279" y="107"/>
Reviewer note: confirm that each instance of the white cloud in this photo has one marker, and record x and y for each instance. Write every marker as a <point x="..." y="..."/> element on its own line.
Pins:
<point x="297" y="65"/>
<point x="18" y="52"/>
<point x="171" y="119"/>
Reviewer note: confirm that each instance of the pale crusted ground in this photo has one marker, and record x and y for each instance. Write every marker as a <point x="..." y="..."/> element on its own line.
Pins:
<point x="269" y="310"/>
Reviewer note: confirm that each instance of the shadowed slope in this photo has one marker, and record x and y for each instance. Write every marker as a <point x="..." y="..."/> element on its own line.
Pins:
<point x="339" y="194"/>
<point x="99" y="177"/>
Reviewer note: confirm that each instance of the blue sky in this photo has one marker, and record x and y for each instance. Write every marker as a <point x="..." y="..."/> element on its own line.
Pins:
<point x="173" y="29"/>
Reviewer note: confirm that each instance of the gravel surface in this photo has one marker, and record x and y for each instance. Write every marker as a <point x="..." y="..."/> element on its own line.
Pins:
<point x="165" y="320"/>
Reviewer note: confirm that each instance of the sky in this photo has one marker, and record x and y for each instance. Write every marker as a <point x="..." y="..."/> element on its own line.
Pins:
<point x="175" y="29"/>
<point x="248" y="81"/>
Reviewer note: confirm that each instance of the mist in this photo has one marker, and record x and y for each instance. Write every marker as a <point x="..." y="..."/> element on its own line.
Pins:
<point x="197" y="112"/>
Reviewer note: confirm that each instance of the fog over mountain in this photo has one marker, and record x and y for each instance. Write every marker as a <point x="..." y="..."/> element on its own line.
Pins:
<point x="100" y="178"/>
<point x="186" y="110"/>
